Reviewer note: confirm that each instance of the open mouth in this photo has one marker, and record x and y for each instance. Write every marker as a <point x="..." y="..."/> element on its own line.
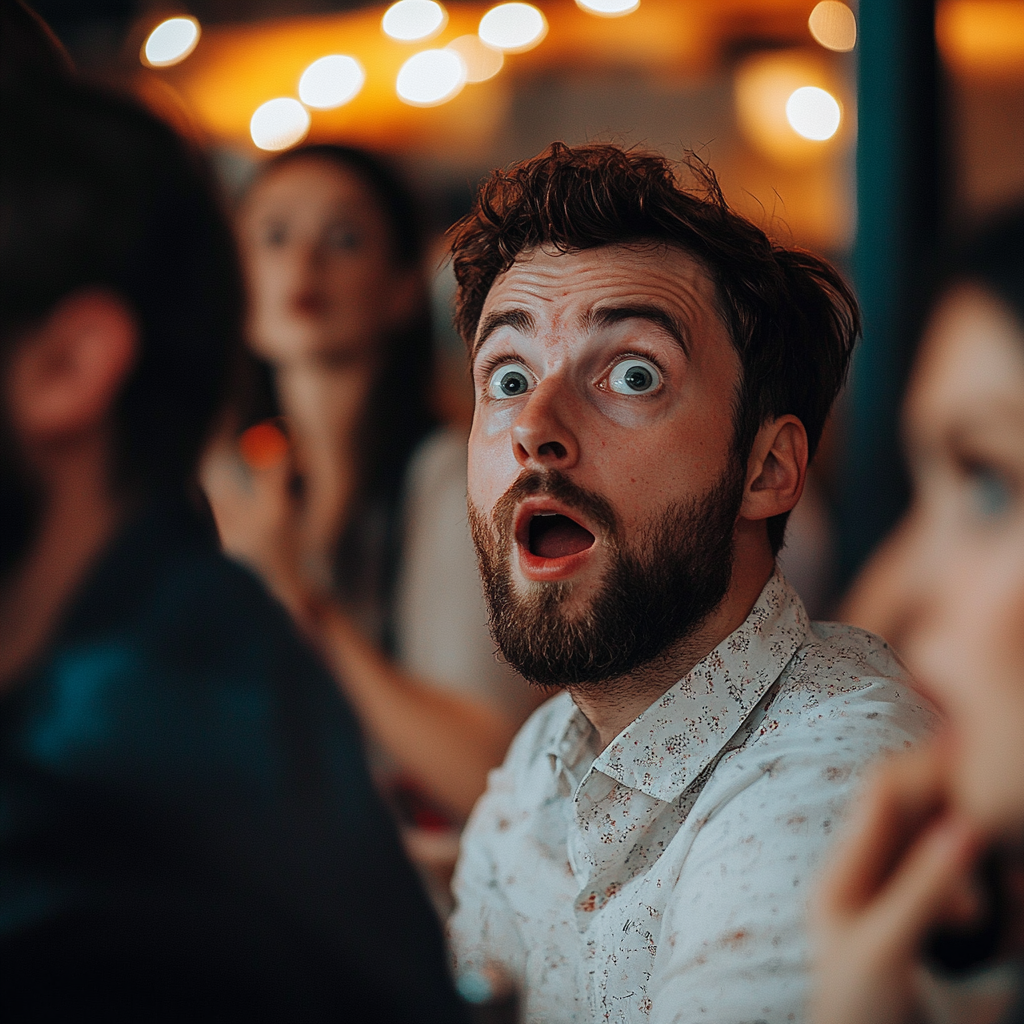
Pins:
<point x="552" y="535"/>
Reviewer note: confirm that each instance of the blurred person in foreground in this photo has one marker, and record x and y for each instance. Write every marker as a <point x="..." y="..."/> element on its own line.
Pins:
<point x="371" y="551"/>
<point x="187" y="828"/>
<point x="652" y="376"/>
<point x="921" y="917"/>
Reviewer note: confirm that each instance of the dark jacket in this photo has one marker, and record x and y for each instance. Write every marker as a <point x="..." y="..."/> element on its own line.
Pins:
<point x="187" y="826"/>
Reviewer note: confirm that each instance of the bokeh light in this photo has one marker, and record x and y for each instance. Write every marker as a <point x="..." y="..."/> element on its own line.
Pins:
<point x="813" y="113"/>
<point x="411" y="20"/>
<point x="834" y="26"/>
<point x="331" y="82"/>
<point x="431" y="77"/>
<point x="513" y="27"/>
<point x="608" y="8"/>
<point x="279" y="124"/>
<point x="263" y="445"/>
<point x="170" y="42"/>
<point x="481" y="61"/>
<point x="763" y="84"/>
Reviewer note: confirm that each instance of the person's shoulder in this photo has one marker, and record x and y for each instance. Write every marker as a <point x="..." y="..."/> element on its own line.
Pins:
<point x="528" y="753"/>
<point x="853" y="681"/>
<point x="838" y="659"/>
<point x="208" y="595"/>
<point x="198" y="635"/>
<point x="522" y="782"/>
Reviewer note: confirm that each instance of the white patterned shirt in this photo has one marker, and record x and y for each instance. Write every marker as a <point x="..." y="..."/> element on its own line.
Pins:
<point x="666" y="878"/>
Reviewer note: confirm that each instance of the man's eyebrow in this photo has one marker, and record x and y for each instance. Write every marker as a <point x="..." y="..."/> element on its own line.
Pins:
<point x="605" y="316"/>
<point x="519" y="319"/>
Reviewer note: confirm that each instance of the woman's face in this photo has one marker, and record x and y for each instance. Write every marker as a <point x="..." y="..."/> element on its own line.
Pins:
<point x="963" y="547"/>
<point x="317" y="253"/>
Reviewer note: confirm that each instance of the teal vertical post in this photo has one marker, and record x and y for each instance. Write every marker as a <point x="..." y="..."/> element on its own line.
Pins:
<point x="900" y="173"/>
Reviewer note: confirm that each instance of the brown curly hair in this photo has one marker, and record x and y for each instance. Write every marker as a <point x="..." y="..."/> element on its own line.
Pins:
<point x="789" y="313"/>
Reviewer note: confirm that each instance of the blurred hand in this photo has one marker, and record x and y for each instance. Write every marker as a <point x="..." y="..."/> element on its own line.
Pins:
<point x="904" y="867"/>
<point x="249" y="486"/>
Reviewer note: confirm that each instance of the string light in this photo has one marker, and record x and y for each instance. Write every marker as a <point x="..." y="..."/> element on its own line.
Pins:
<point x="279" y="124"/>
<point x="331" y="82"/>
<point x="834" y="26"/>
<point x="481" y="61"/>
<point x="813" y="113"/>
<point x="411" y="20"/>
<point x="513" y="27"/>
<point x="170" y="42"/>
<point x="608" y="8"/>
<point x="431" y="77"/>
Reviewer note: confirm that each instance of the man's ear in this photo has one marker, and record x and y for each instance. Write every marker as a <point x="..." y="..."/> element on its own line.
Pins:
<point x="776" y="469"/>
<point x="65" y="374"/>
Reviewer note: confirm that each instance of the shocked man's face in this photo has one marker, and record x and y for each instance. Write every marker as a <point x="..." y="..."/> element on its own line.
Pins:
<point x="603" y="479"/>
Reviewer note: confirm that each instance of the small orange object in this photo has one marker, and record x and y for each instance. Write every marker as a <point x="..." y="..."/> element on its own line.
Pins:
<point x="263" y="445"/>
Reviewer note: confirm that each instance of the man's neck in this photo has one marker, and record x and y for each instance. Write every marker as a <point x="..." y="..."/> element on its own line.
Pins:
<point x="613" y="704"/>
<point x="80" y="518"/>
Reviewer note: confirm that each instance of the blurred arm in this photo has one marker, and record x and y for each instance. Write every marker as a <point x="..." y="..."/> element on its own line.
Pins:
<point x="448" y="742"/>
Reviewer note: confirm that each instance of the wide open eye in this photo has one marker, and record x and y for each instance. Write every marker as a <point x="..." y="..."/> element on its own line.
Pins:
<point x="634" y="377"/>
<point x="509" y="380"/>
<point x="991" y="494"/>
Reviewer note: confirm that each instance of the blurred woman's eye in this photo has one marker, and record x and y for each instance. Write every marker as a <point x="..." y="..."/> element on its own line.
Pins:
<point x="275" y="235"/>
<point x="509" y="381"/>
<point x="991" y="494"/>
<point x="634" y="376"/>
<point x="342" y="238"/>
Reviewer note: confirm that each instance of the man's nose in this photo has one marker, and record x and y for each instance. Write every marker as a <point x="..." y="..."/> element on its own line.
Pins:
<point x="542" y="437"/>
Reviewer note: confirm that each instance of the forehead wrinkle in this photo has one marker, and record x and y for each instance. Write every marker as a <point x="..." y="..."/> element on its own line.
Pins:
<point x="665" y="279"/>
<point x="606" y="316"/>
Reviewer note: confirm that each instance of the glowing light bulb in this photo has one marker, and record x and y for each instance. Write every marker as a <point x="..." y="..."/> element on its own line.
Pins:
<point x="813" y="113"/>
<point x="833" y="25"/>
<point x="481" y="61"/>
<point x="331" y="82"/>
<point x="608" y="8"/>
<point x="170" y="42"/>
<point x="513" y="27"/>
<point x="431" y="77"/>
<point x="409" y="20"/>
<point x="279" y="124"/>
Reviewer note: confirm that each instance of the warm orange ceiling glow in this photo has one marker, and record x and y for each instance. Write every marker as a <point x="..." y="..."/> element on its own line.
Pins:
<point x="982" y="37"/>
<point x="239" y="67"/>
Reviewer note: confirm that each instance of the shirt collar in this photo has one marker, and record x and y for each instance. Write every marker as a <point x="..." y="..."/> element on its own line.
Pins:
<point x="663" y="750"/>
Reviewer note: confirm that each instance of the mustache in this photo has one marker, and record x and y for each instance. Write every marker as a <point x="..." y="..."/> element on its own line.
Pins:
<point x="554" y="484"/>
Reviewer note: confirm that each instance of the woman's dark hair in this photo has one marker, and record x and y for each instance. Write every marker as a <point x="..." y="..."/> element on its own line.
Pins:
<point x="791" y="317"/>
<point x="398" y="413"/>
<point x="96" y="192"/>
<point x="994" y="259"/>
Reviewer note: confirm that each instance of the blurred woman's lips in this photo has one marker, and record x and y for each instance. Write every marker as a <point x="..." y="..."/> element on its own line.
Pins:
<point x="551" y="542"/>
<point x="309" y="304"/>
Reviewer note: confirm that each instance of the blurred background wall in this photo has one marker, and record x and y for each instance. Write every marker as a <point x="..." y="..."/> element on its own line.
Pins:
<point x="867" y="132"/>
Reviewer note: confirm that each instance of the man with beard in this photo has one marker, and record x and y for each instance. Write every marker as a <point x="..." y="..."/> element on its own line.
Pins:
<point x="187" y="827"/>
<point x="652" y="375"/>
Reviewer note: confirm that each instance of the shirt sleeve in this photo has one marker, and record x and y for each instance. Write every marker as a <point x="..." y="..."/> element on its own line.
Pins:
<point x="482" y="930"/>
<point x="734" y="945"/>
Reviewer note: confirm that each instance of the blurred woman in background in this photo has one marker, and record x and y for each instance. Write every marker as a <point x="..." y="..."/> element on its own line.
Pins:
<point x="361" y="530"/>
<point x="920" y="918"/>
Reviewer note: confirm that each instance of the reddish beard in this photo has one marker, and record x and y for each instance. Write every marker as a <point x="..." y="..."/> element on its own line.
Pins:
<point x="655" y="593"/>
